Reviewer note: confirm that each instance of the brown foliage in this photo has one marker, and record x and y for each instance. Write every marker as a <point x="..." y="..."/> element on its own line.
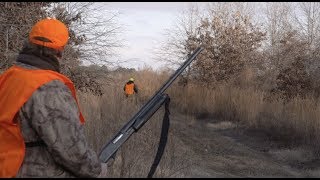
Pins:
<point x="294" y="81"/>
<point x="229" y="45"/>
<point x="16" y="20"/>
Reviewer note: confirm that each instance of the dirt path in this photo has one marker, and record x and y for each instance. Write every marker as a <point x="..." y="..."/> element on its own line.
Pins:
<point x="221" y="149"/>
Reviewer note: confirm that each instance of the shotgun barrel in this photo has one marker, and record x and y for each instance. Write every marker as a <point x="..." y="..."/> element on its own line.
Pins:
<point x="144" y="114"/>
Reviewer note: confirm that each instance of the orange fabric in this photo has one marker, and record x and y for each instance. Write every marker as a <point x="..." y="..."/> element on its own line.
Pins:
<point x="16" y="87"/>
<point x="129" y="89"/>
<point x="51" y="29"/>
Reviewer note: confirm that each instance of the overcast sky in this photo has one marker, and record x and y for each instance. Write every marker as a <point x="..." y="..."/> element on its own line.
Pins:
<point x="144" y="25"/>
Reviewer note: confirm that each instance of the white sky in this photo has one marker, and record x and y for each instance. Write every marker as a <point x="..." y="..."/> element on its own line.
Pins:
<point x="144" y="25"/>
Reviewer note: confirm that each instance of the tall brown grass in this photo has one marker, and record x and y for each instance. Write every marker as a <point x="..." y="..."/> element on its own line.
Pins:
<point x="107" y="114"/>
<point x="294" y="122"/>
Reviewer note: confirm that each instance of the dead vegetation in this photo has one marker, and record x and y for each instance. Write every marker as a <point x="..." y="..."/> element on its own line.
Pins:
<point x="265" y="78"/>
<point x="292" y="123"/>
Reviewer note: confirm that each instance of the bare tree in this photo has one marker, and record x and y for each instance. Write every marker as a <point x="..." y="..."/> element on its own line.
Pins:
<point x="93" y="40"/>
<point x="293" y="30"/>
<point x="16" y="20"/>
<point x="278" y="24"/>
<point x="94" y="31"/>
<point x="307" y="17"/>
<point x="227" y="34"/>
<point x="175" y="47"/>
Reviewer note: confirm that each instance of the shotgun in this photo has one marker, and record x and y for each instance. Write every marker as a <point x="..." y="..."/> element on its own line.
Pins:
<point x="144" y="114"/>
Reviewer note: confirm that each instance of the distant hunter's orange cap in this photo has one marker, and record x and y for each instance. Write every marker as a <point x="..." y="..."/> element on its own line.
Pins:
<point x="50" y="33"/>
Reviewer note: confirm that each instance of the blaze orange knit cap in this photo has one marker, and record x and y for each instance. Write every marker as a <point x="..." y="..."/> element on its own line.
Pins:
<point x="50" y="33"/>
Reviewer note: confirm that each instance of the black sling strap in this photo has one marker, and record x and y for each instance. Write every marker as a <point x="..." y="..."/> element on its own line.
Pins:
<point x="163" y="139"/>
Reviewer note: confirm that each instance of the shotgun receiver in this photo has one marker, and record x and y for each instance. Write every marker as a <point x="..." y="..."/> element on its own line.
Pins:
<point x="144" y="114"/>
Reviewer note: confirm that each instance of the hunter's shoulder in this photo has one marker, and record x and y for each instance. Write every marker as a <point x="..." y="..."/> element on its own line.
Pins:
<point x="55" y="86"/>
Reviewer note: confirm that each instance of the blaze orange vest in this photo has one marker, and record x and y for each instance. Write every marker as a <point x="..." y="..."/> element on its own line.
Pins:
<point x="16" y="87"/>
<point x="129" y="89"/>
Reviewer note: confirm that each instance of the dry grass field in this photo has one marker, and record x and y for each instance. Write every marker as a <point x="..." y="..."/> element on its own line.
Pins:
<point x="215" y="132"/>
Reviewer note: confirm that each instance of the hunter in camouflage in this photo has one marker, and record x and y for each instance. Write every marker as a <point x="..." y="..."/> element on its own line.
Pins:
<point x="49" y="120"/>
<point x="51" y="115"/>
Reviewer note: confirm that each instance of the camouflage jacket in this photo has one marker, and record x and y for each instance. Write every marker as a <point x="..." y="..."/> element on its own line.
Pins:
<point x="51" y="115"/>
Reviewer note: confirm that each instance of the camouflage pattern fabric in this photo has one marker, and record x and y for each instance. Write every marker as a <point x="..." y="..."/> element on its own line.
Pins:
<point x="51" y="115"/>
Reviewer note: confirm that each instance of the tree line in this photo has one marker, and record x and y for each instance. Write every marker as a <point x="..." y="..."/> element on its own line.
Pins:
<point x="94" y="34"/>
<point x="274" y="45"/>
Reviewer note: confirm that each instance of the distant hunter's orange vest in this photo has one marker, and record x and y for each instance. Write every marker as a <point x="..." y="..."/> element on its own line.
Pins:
<point x="129" y="89"/>
<point x="16" y="87"/>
